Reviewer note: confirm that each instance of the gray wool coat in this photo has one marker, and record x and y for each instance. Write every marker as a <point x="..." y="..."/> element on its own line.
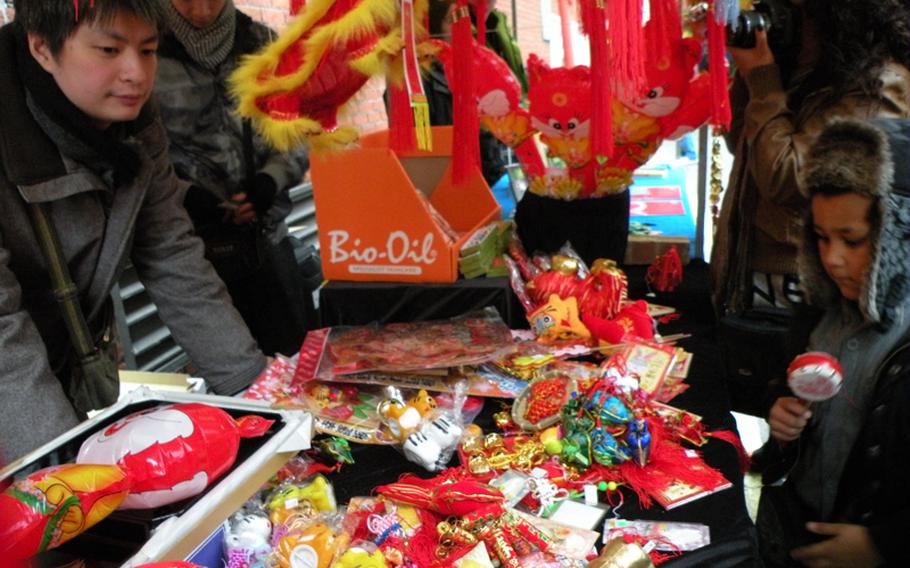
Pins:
<point x="101" y="229"/>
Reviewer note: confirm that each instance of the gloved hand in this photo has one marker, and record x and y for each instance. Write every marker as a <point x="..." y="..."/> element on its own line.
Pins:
<point x="202" y="206"/>
<point x="261" y="193"/>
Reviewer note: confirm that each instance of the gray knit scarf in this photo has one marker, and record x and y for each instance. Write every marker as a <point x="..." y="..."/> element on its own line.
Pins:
<point x="208" y="46"/>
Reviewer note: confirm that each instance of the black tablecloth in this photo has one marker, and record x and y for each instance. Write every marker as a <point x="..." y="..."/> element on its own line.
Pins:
<point x="724" y="512"/>
<point x="359" y="303"/>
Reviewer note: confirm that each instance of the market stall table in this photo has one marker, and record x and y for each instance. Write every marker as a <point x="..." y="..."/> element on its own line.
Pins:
<point x="724" y="511"/>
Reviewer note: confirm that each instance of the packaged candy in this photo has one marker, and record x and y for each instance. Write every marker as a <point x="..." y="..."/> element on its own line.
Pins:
<point x="361" y="555"/>
<point x="313" y="546"/>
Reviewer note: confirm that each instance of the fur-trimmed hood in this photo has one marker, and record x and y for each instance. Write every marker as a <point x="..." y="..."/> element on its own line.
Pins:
<point x="870" y="158"/>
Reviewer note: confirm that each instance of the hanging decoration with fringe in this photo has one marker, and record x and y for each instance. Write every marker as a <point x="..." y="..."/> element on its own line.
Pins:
<point x="627" y="46"/>
<point x="480" y="13"/>
<point x="402" y="130"/>
<point x="717" y="63"/>
<point x="664" y="27"/>
<point x="466" y="135"/>
<point x="604" y="120"/>
<point x="594" y="22"/>
<point x="413" y="85"/>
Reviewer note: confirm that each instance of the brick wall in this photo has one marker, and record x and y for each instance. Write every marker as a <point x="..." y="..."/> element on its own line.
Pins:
<point x="530" y="34"/>
<point x="273" y="13"/>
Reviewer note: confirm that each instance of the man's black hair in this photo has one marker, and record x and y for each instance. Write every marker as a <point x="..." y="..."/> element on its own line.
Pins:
<point x="56" y="20"/>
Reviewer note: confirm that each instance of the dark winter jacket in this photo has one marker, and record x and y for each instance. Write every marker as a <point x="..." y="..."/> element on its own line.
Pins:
<point x="206" y="136"/>
<point x="870" y="158"/>
<point x="760" y="222"/>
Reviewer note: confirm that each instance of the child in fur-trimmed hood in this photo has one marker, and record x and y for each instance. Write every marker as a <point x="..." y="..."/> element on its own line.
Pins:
<point x="849" y="455"/>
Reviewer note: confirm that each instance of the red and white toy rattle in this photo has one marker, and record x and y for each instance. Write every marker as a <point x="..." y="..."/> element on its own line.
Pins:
<point x="815" y="376"/>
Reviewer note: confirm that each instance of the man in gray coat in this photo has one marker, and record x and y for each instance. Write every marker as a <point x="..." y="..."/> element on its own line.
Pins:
<point x="77" y="135"/>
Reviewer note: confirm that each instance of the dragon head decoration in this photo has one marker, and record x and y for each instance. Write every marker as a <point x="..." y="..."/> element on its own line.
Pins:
<point x="292" y="90"/>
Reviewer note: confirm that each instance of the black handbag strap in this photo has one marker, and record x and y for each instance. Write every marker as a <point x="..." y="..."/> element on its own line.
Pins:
<point x="65" y="291"/>
<point x="249" y="157"/>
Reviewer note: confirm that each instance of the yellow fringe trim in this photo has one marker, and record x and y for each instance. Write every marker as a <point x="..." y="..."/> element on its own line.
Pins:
<point x="421" y="109"/>
<point x="255" y="76"/>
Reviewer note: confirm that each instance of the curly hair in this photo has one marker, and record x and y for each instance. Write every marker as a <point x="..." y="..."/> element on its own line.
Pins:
<point x="858" y="37"/>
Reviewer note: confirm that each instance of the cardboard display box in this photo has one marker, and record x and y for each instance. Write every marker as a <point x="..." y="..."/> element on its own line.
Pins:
<point x="374" y="222"/>
<point x="644" y="249"/>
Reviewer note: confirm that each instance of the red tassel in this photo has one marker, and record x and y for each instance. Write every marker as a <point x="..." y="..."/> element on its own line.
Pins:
<point x="297" y="6"/>
<point x="664" y="28"/>
<point x="627" y="45"/>
<point x="466" y="142"/>
<point x="667" y="462"/>
<point x="732" y="437"/>
<point x="480" y="11"/>
<point x="717" y="63"/>
<point x="402" y="136"/>
<point x="601" y="90"/>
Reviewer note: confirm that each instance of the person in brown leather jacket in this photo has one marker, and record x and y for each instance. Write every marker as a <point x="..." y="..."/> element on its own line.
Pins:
<point x="853" y="60"/>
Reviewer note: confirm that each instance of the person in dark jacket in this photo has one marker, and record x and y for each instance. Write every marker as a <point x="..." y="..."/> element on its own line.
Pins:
<point x="850" y="59"/>
<point x="238" y="194"/>
<point x="847" y="457"/>
<point x="78" y="136"/>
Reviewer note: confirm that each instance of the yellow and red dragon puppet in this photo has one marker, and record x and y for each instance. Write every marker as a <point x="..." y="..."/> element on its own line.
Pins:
<point x="293" y="89"/>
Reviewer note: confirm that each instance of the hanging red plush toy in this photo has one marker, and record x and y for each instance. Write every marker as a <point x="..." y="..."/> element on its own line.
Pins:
<point x="171" y="452"/>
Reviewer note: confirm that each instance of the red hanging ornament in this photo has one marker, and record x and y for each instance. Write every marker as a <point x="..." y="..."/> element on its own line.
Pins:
<point x="480" y="14"/>
<point x="666" y="272"/>
<point x="594" y="23"/>
<point x="663" y="31"/>
<point x="466" y="142"/>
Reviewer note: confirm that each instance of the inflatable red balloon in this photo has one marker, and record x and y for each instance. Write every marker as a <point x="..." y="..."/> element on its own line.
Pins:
<point x="55" y="504"/>
<point x="171" y="452"/>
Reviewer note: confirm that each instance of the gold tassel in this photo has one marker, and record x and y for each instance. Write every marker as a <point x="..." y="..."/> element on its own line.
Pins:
<point x="421" y="109"/>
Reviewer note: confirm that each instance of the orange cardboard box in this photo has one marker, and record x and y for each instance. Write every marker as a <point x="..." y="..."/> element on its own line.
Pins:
<point x="375" y="226"/>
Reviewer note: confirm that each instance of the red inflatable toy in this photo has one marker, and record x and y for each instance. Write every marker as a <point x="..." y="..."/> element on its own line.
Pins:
<point x="53" y="505"/>
<point x="171" y="452"/>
